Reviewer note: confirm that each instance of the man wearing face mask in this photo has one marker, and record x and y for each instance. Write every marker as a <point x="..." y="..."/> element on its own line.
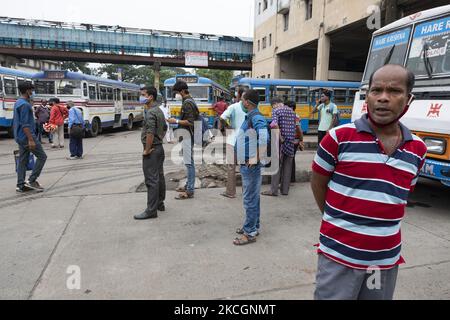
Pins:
<point x="189" y="114"/>
<point x="362" y="176"/>
<point x="25" y="137"/>
<point x="154" y="129"/>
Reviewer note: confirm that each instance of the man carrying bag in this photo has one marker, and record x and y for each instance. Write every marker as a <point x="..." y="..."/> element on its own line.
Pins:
<point x="76" y="132"/>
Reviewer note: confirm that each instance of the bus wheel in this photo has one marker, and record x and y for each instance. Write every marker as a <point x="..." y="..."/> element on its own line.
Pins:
<point x="130" y="122"/>
<point x="95" y="128"/>
<point x="10" y="132"/>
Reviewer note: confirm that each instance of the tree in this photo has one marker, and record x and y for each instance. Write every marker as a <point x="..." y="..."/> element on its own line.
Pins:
<point x="222" y="77"/>
<point x="76" y="67"/>
<point x="140" y="75"/>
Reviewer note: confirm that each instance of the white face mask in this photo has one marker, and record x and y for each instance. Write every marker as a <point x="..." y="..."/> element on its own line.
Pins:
<point x="178" y="97"/>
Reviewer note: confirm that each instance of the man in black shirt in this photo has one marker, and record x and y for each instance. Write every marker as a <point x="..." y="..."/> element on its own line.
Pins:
<point x="189" y="114"/>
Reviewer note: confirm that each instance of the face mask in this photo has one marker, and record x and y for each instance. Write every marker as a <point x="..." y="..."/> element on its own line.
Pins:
<point x="33" y="95"/>
<point x="244" y="108"/>
<point x="380" y="125"/>
<point x="143" y="100"/>
<point x="178" y="97"/>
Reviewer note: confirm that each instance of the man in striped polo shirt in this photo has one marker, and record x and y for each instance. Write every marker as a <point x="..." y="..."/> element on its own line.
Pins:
<point x="362" y="175"/>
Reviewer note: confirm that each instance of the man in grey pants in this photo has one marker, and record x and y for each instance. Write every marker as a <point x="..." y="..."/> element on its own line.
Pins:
<point x="153" y="131"/>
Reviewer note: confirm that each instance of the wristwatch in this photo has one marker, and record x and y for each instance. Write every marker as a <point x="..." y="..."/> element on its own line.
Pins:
<point x="178" y="121"/>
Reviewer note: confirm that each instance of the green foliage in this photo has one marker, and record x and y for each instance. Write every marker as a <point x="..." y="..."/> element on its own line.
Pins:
<point x="222" y="77"/>
<point x="76" y="67"/>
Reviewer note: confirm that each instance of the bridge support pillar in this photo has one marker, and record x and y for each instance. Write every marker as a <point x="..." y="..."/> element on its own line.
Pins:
<point x="157" y="73"/>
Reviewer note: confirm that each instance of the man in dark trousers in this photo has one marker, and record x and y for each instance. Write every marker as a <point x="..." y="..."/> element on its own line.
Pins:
<point x="153" y="131"/>
<point x="25" y="136"/>
<point x="189" y="114"/>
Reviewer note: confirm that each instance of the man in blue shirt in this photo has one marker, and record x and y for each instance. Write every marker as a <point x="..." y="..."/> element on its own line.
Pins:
<point x="76" y="140"/>
<point x="25" y="136"/>
<point x="251" y="146"/>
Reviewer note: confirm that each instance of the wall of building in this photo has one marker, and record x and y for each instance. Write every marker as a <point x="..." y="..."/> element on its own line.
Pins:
<point x="28" y="65"/>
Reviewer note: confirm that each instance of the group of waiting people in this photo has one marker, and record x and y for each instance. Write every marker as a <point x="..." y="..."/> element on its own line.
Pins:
<point x="29" y="126"/>
<point x="362" y="175"/>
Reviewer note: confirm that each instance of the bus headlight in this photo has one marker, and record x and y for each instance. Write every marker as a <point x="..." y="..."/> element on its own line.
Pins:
<point x="434" y="145"/>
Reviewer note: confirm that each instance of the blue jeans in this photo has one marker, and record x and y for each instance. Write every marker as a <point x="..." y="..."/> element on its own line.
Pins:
<point x="39" y="131"/>
<point x="76" y="147"/>
<point x="24" y="155"/>
<point x="251" y="188"/>
<point x="188" y="158"/>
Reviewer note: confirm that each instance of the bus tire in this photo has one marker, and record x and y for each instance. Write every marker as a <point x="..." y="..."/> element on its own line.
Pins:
<point x="10" y="132"/>
<point x="130" y="124"/>
<point x="95" y="128"/>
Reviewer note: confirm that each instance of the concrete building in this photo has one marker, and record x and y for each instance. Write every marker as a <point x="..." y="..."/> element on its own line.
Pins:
<point x="28" y="65"/>
<point x="321" y="39"/>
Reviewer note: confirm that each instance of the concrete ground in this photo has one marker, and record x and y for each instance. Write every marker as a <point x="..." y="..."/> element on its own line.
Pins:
<point x="85" y="219"/>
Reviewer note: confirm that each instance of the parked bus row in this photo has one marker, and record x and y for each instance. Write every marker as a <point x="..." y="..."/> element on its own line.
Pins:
<point x="104" y="103"/>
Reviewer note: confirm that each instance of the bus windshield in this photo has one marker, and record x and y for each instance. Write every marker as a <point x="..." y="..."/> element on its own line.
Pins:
<point x="387" y="48"/>
<point x="430" y="49"/>
<point x="198" y="93"/>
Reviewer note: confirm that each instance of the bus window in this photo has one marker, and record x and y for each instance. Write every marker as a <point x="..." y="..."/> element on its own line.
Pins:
<point x="69" y="87"/>
<point x="387" y="48"/>
<point x="103" y="93"/>
<point x="110" y="94"/>
<point x="339" y="96"/>
<point x="85" y="89"/>
<point x="1" y="86"/>
<point x="92" y="93"/>
<point x="283" y="93"/>
<point x="301" y="95"/>
<point x="10" y="86"/>
<point x="117" y="94"/>
<point x="261" y="94"/>
<point x="44" y="87"/>
<point x="351" y="96"/>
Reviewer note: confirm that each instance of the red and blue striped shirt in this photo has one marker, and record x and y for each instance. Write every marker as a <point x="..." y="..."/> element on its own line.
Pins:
<point x="367" y="194"/>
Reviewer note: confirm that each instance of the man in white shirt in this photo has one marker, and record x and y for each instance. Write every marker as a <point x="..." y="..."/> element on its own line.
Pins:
<point x="328" y="114"/>
<point x="234" y="116"/>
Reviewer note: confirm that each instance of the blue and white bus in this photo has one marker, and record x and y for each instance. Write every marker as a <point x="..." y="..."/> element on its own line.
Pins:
<point x="9" y="93"/>
<point x="421" y="43"/>
<point x="204" y="91"/>
<point x="104" y="102"/>
<point x="304" y="93"/>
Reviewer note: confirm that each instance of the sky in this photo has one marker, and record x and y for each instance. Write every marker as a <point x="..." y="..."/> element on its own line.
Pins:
<point x="222" y="17"/>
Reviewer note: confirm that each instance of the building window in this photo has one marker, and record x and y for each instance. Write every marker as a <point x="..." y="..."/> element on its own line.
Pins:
<point x="265" y="5"/>
<point x="270" y="40"/>
<point x="259" y="45"/>
<point x="259" y="8"/>
<point x="264" y="43"/>
<point x="309" y="9"/>
<point x="268" y="76"/>
<point x="286" y="21"/>
<point x="271" y="2"/>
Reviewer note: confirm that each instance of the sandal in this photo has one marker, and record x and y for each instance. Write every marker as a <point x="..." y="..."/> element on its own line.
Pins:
<point x="245" y="239"/>
<point x="184" y="196"/>
<point x="241" y="231"/>
<point x="180" y="189"/>
<point x="269" y="193"/>
<point x="226" y="195"/>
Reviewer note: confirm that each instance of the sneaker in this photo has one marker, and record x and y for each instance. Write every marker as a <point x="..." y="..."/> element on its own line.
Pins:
<point x="79" y="157"/>
<point x="23" y="189"/>
<point x="34" y="185"/>
<point x="72" y="158"/>
<point x="162" y="207"/>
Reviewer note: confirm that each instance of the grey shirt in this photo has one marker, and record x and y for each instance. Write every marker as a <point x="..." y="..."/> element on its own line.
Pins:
<point x="154" y="123"/>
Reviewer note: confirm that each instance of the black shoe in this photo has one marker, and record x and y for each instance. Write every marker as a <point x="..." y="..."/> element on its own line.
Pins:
<point x="162" y="207"/>
<point x="24" y="189"/>
<point x="146" y="215"/>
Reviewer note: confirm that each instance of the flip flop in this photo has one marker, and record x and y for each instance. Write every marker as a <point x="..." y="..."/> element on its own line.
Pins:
<point x="244" y="240"/>
<point x="226" y="195"/>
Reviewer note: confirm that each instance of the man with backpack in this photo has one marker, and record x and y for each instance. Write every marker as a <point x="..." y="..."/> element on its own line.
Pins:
<point x="189" y="115"/>
<point x="252" y="141"/>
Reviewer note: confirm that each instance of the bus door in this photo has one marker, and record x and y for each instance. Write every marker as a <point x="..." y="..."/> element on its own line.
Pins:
<point x="118" y="108"/>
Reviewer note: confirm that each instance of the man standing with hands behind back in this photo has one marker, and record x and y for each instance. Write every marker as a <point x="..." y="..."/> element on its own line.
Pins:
<point x="362" y="175"/>
<point x="153" y="131"/>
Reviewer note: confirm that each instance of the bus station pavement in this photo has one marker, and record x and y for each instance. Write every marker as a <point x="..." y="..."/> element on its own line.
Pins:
<point x="84" y="222"/>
